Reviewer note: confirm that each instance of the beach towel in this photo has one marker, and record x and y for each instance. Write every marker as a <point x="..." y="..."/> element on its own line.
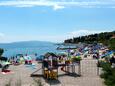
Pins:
<point x="7" y="72"/>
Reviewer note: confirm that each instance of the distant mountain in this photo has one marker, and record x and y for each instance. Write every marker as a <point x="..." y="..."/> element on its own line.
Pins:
<point x="26" y="44"/>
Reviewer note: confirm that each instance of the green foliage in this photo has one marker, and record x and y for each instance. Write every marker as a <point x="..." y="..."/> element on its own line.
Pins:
<point x="93" y="38"/>
<point x="112" y="44"/>
<point x="1" y="51"/>
<point x="105" y="38"/>
<point x="76" y="59"/>
<point x="108" y="74"/>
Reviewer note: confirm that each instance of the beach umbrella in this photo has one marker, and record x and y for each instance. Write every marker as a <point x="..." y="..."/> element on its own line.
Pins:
<point x="62" y="53"/>
<point x="41" y="57"/>
<point x="27" y="58"/>
<point x="78" y="54"/>
<point x="86" y="48"/>
<point x="107" y="54"/>
<point x="3" y="63"/>
<point x="50" y="54"/>
<point x="86" y="53"/>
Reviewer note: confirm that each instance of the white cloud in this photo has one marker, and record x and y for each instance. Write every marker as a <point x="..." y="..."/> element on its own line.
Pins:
<point x="32" y="3"/>
<point x="2" y="35"/>
<point x="60" y="4"/>
<point x="56" y="7"/>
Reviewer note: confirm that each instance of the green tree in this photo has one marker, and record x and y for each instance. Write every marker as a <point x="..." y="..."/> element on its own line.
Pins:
<point x="108" y="74"/>
<point x="100" y="38"/>
<point x="1" y="51"/>
<point x="112" y="44"/>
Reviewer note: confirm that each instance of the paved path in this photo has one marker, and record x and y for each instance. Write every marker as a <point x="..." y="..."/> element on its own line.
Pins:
<point x="89" y="76"/>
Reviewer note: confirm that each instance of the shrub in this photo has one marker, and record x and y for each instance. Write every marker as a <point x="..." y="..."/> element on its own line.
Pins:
<point x="1" y="51"/>
<point x="108" y="74"/>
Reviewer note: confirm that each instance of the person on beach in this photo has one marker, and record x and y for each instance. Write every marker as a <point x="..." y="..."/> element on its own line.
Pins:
<point x="112" y="61"/>
<point x="45" y="63"/>
<point x="4" y="64"/>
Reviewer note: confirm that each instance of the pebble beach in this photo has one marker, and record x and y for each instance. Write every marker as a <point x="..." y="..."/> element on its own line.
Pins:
<point x="21" y="76"/>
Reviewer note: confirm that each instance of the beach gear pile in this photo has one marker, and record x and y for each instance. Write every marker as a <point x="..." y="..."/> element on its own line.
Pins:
<point x="4" y="65"/>
<point x="22" y="59"/>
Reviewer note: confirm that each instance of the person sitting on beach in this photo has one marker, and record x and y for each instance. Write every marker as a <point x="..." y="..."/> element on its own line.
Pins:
<point x="5" y="67"/>
<point x="4" y="64"/>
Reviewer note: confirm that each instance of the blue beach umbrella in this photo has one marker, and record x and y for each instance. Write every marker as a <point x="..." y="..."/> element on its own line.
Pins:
<point x="107" y="54"/>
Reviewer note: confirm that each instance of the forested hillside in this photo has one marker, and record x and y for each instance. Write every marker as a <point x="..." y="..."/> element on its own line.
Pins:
<point x="107" y="38"/>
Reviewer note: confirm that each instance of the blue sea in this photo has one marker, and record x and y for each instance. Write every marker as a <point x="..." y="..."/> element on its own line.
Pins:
<point x="30" y="48"/>
<point x="30" y="51"/>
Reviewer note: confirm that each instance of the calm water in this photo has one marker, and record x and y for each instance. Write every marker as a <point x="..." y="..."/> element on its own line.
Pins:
<point x="39" y="50"/>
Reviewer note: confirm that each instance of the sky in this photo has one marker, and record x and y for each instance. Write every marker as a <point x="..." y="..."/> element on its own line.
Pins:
<point x="54" y="20"/>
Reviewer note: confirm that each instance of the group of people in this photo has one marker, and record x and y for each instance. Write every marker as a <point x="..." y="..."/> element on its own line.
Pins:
<point x="17" y="60"/>
<point x="21" y="59"/>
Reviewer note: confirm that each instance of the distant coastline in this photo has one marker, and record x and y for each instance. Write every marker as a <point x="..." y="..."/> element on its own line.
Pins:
<point x="27" y="47"/>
